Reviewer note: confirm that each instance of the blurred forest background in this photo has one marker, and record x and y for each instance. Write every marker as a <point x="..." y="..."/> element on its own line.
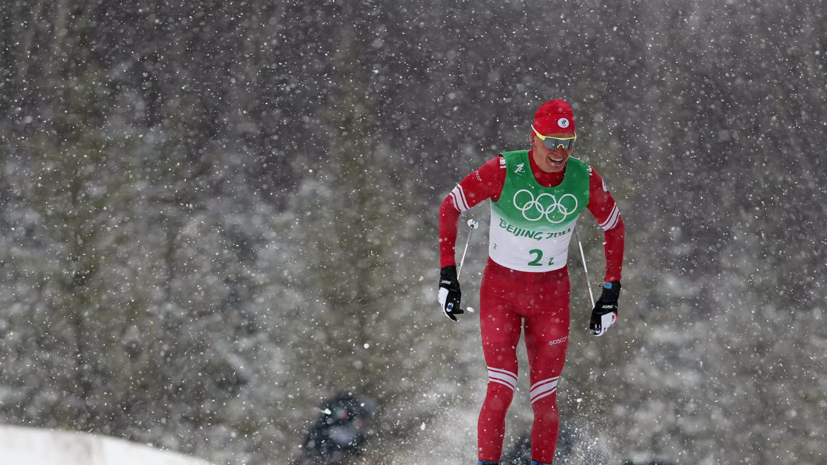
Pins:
<point x="217" y="214"/>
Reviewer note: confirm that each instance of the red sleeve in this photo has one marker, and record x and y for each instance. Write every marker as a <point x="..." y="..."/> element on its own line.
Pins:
<point x="485" y="183"/>
<point x="604" y="208"/>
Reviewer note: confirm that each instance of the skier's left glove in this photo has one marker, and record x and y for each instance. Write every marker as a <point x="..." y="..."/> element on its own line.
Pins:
<point x="449" y="293"/>
<point x="604" y="315"/>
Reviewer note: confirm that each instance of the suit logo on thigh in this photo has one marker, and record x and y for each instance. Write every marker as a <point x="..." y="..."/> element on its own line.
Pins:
<point x="558" y="341"/>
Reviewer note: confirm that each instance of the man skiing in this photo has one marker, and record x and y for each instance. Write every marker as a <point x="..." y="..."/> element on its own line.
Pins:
<point x="536" y="197"/>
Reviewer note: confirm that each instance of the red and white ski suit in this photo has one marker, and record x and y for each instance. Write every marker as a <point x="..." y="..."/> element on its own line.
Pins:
<point x="539" y="302"/>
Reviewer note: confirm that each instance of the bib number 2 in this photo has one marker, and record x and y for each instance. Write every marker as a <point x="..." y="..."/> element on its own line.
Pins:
<point x="538" y="258"/>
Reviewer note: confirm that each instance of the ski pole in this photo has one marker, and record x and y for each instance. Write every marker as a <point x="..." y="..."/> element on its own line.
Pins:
<point x="472" y="223"/>
<point x="585" y="268"/>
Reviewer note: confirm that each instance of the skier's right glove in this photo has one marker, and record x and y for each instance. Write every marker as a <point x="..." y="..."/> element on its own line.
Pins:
<point x="604" y="314"/>
<point x="449" y="292"/>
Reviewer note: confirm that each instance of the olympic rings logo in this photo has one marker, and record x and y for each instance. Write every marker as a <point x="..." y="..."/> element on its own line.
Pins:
<point x="545" y="206"/>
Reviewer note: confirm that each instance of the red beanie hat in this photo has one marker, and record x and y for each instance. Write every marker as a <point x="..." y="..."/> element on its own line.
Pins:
<point x="553" y="117"/>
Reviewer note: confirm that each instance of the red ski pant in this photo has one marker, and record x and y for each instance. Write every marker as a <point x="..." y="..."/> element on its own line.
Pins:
<point x="539" y="303"/>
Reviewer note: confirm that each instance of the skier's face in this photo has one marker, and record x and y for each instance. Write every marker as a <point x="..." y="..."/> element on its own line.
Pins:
<point x="550" y="160"/>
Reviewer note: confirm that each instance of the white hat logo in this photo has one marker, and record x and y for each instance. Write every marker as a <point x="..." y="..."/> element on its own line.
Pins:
<point x="563" y="123"/>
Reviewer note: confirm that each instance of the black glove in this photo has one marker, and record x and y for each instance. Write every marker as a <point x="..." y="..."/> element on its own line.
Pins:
<point x="449" y="293"/>
<point x="604" y="314"/>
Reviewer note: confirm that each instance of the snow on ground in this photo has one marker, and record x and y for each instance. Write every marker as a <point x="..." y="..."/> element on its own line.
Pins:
<point x="34" y="446"/>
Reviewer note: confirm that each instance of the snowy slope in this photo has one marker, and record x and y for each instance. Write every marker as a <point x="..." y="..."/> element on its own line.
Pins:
<point x="34" y="446"/>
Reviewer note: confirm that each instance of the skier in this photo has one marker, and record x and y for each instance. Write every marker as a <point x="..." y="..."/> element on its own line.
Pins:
<point x="340" y="432"/>
<point x="536" y="197"/>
